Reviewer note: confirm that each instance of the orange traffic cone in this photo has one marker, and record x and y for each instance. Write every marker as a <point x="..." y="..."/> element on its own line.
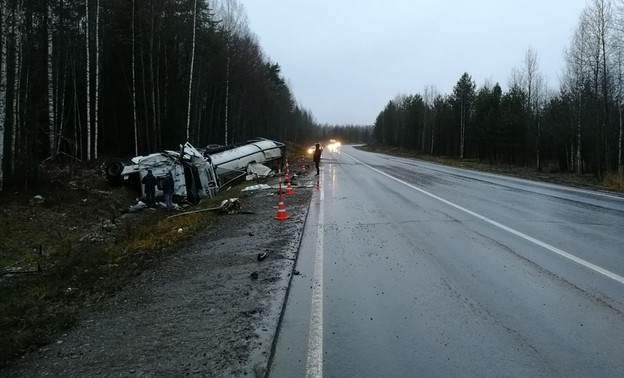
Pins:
<point x="281" y="209"/>
<point x="289" y="189"/>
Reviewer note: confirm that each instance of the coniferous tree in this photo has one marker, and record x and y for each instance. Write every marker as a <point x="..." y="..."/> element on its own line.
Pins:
<point x="463" y="99"/>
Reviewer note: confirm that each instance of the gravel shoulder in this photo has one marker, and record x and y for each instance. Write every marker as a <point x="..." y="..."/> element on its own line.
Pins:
<point x="200" y="311"/>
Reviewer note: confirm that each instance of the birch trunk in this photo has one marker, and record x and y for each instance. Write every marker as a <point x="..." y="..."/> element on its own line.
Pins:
<point x="579" y="160"/>
<point x="21" y="138"/>
<point x="145" y="107"/>
<point x="61" y="103"/>
<point x="620" y="163"/>
<point x="153" y="80"/>
<point x="88" y="79"/>
<point x="97" y="79"/>
<point x="16" y="87"/>
<point x="227" y="90"/>
<point x="157" y="96"/>
<point x="17" y="92"/>
<point x="77" y="118"/>
<point x="462" y="126"/>
<point x="188" y="116"/>
<point x="134" y="101"/>
<point x="432" y="138"/>
<point x="3" y="85"/>
<point x="50" y="62"/>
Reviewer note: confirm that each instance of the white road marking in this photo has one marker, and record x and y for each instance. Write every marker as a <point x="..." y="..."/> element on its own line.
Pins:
<point x="445" y="169"/>
<point x="542" y="244"/>
<point x="314" y="367"/>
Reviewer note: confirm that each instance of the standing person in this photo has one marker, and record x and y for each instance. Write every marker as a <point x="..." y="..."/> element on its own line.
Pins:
<point x="150" y="187"/>
<point x="168" y="190"/>
<point x="317" y="157"/>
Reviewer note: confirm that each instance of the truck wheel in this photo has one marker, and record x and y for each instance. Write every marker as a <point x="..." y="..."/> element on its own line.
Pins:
<point x="113" y="171"/>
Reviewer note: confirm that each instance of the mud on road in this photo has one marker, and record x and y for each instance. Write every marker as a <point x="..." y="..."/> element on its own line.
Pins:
<point x="211" y="309"/>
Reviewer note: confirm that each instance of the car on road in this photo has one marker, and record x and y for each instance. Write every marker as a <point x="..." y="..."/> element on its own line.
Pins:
<point x="312" y="148"/>
<point x="334" y="145"/>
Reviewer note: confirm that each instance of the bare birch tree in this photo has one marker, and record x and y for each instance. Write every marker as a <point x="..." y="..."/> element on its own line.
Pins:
<point x="619" y="103"/>
<point x="575" y="78"/>
<point x="533" y="83"/>
<point x="430" y="94"/>
<point x="88" y="79"/>
<point x="17" y="90"/>
<point x="97" y="80"/>
<point x="599" y="18"/>
<point x="50" y="63"/>
<point x="190" y="89"/>
<point x="234" y="21"/>
<point x="3" y="84"/>
<point x="134" y="97"/>
<point x="619" y="68"/>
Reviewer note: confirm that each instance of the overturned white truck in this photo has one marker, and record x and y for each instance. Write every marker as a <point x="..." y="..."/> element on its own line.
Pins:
<point x="197" y="173"/>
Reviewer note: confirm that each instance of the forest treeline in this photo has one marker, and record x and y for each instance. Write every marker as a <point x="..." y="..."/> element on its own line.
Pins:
<point x="577" y="128"/>
<point x="87" y="79"/>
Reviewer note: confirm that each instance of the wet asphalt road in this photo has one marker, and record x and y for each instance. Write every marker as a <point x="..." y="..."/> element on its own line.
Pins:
<point x="413" y="269"/>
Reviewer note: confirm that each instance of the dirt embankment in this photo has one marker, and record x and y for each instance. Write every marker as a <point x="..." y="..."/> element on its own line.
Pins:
<point x="208" y="308"/>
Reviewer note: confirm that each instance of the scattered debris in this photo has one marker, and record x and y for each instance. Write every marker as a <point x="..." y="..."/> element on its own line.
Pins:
<point x="262" y="256"/>
<point x="255" y="171"/>
<point x="228" y="206"/>
<point x="254" y="275"/>
<point x="138" y="207"/>
<point x="253" y="188"/>
<point x="38" y="199"/>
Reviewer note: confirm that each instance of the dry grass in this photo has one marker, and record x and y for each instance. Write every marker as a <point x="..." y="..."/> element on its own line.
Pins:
<point x="613" y="181"/>
<point x="159" y="235"/>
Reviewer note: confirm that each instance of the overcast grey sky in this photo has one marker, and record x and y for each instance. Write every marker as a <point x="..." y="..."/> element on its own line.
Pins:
<point x="345" y="59"/>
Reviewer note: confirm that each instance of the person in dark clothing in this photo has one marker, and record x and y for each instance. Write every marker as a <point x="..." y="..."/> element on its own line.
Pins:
<point x="168" y="190"/>
<point x="317" y="157"/>
<point x="150" y="188"/>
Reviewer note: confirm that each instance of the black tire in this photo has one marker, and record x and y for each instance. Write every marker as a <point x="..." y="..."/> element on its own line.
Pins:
<point x="113" y="171"/>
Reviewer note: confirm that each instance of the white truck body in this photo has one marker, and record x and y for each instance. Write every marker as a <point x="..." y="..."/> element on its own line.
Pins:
<point x="197" y="175"/>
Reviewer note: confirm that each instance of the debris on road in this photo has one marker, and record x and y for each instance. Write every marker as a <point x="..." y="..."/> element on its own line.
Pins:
<point x="254" y="188"/>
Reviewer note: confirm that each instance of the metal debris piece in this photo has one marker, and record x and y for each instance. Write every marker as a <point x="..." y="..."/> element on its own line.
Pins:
<point x="228" y="206"/>
<point x="256" y="187"/>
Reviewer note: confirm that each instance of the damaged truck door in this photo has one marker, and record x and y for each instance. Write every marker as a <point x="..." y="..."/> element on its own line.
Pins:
<point x="197" y="173"/>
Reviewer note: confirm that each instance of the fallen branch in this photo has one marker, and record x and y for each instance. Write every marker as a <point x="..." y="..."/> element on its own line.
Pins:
<point x="230" y="206"/>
